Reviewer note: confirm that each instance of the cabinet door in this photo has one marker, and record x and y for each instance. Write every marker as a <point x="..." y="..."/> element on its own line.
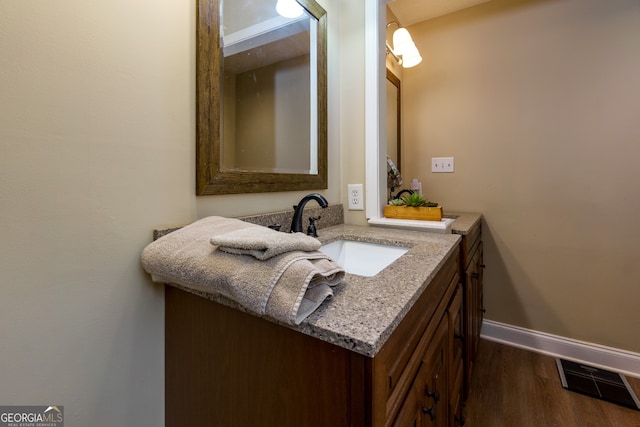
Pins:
<point x="473" y="310"/>
<point x="456" y="349"/>
<point x="411" y="413"/>
<point x="474" y="278"/>
<point x="435" y="393"/>
<point x="456" y="330"/>
<point x="476" y="282"/>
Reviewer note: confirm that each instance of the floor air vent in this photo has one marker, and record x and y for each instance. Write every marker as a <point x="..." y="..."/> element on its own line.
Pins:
<point x="606" y="385"/>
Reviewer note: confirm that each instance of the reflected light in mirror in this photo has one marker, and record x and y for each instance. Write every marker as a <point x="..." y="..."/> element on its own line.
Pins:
<point x="411" y="57"/>
<point x="404" y="46"/>
<point x="402" y="41"/>
<point x="289" y="8"/>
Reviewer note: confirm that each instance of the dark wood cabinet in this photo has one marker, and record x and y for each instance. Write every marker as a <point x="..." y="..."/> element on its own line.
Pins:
<point x="435" y="394"/>
<point x="472" y="267"/>
<point x="224" y="367"/>
<point x="227" y="367"/>
<point x="434" y="388"/>
<point x="456" y="358"/>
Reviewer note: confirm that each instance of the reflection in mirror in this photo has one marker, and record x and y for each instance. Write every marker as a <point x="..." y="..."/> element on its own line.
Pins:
<point x="394" y="145"/>
<point x="266" y="83"/>
<point x="261" y="98"/>
<point x="394" y="166"/>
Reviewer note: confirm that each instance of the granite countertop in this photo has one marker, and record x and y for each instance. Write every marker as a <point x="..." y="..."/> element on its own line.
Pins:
<point x="464" y="222"/>
<point x="364" y="311"/>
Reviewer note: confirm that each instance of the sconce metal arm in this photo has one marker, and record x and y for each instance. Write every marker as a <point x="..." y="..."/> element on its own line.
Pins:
<point x="396" y="57"/>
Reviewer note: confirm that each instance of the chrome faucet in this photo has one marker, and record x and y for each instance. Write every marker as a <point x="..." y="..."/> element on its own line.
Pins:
<point x="296" y="222"/>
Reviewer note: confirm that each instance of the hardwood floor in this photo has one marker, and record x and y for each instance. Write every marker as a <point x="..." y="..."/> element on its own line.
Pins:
<point x="511" y="387"/>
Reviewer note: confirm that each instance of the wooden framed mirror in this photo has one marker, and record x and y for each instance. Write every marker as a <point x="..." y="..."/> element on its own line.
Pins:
<point x="286" y="123"/>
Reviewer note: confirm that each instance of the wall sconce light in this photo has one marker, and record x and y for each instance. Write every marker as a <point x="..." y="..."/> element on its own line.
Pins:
<point x="403" y="46"/>
<point x="289" y="8"/>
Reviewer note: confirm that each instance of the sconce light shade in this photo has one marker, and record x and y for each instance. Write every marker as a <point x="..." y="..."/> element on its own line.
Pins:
<point x="402" y="41"/>
<point x="411" y="57"/>
<point x="289" y="8"/>
<point x="403" y="46"/>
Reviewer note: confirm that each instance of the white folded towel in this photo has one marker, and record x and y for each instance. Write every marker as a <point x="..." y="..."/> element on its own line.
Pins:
<point x="243" y="238"/>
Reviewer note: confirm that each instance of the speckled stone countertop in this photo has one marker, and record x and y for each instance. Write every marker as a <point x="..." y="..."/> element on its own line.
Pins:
<point x="364" y="311"/>
<point x="464" y="222"/>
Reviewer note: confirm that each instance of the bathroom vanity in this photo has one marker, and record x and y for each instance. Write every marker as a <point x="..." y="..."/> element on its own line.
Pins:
<point x="386" y="350"/>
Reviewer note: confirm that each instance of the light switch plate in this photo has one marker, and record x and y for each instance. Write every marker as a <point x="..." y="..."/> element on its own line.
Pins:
<point x="442" y="164"/>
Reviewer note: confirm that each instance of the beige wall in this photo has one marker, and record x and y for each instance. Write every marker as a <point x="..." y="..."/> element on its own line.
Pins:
<point x="97" y="137"/>
<point x="538" y="102"/>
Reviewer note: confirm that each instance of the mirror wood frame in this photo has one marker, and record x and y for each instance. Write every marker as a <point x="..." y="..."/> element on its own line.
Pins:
<point x="210" y="178"/>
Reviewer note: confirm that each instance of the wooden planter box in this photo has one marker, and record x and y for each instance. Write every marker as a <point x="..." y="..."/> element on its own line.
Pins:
<point x="409" y="212"/>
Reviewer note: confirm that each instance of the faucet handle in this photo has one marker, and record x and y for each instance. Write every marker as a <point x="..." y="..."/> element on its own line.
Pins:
<point x="311" y="230"/>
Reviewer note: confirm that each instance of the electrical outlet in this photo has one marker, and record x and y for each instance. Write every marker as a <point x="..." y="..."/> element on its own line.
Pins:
<point x="442" y="164"/>
<point x="355" y="195"/>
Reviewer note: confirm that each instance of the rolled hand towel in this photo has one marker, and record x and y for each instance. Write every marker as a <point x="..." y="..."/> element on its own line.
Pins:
<point x="242" y="238"/>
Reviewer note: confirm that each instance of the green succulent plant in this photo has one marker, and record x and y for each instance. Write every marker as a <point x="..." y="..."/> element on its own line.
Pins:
<point x="413" y="200"/>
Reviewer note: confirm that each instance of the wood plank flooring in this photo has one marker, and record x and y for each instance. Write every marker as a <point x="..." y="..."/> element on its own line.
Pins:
<point x="511" y="387"/>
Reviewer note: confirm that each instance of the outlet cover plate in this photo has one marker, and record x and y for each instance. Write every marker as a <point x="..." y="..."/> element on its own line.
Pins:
<point x="356" y="197"/>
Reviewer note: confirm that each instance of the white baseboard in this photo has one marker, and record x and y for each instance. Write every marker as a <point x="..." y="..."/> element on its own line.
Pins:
<point x="625" y="362"/>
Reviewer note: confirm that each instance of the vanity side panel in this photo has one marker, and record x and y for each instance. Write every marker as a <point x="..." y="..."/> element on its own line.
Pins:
<point x="228" y="368"/>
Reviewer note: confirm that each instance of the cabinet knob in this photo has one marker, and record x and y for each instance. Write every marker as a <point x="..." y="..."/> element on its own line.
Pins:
<point x="483" y="266"/>
<point x="434" y="394"/>
<point x="460" y="420"/>
<point x="482" y="310"/>
<point x="430" y="411"/>
<point x="475" y="275"/>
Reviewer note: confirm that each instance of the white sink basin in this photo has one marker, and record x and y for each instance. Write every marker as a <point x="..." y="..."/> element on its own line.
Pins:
<point x="361" y="258"/>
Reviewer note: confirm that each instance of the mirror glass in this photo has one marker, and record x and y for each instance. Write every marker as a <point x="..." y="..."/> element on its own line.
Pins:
<point x="261" y="81"/>
<point x="393" y="119"/>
